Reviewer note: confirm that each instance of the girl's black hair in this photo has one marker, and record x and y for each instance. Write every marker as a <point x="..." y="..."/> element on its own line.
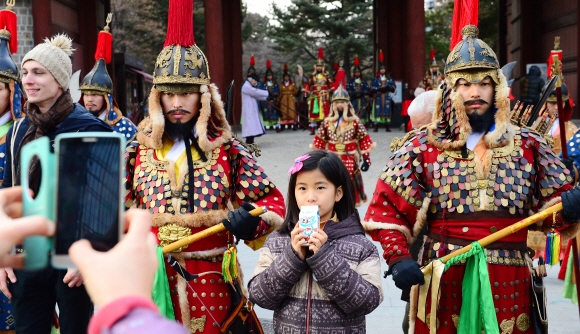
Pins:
<point x="332" y="167"/>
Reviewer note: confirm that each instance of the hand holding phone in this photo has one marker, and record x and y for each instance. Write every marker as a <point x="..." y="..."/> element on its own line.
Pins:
<point x="126" y="270"/>
<point x="14" y="227"/>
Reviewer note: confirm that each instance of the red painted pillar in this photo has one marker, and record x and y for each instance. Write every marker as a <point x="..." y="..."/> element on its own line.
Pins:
<point x="396" y="39"/>
<point x="381" y="30"/>
<point x="42" y="17"/>
<point x="414" y="46"/>
<point x="214" y="41"/>
<point x="88" y="34"/>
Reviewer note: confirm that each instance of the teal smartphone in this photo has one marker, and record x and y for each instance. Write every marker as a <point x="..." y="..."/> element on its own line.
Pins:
<point x="37" y="248"/>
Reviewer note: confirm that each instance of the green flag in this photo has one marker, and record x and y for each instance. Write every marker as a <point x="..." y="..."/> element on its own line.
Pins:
<point x="160" y="293"/>
<point x="477" y="309"/>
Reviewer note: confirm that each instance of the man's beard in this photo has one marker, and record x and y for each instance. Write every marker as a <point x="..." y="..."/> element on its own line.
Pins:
<point x="480" y="123"/>
<point x="175" y="130"/>
<point x="96" y="113"/>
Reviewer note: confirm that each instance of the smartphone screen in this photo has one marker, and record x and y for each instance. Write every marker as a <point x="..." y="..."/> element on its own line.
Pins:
<point x="88" y="186"/>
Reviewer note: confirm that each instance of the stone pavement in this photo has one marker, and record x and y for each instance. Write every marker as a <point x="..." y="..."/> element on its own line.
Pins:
<point x="278" y="153"/>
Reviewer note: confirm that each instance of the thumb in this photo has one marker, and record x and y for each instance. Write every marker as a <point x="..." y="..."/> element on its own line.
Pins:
<point x="82" y="252"/>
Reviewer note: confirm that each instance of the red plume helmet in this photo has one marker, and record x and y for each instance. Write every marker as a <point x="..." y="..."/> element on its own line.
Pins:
<point x="98" y="81"/>
<point x="181" y="64"/>
<point x="356" y="63"/>
<point x="320" y="60"/>
<point x="9" y="21"/>
<point x="381" y="61"/>
<point x="285" y="67"/>
<point x="268" y="70"/>
<point x="252" y="60"/>
<point x="339" y="86"/>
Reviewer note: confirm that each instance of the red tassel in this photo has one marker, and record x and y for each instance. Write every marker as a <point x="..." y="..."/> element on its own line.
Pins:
<point x="340" y="79"/>
<point x="268" y="64"/>
<point x="104" y="47"/>
<point x="320" y="53"/>
<point x="252" y="61"/>
<point x="465" y="12"/>
<point x="335" y="67"/>
<point x="356" y="61"/>
<point x="432" y="57"/>
<point x="381" y="58"/>
<point x="9" y="21"/>
<point x="180" y="23"/>
<point x="285" y="67"/>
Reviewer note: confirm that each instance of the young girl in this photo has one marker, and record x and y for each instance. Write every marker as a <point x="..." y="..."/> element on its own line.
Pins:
<point x="332" y="284"/>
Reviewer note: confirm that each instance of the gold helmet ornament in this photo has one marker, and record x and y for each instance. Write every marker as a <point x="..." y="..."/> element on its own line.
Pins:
<point x="341" y="95"/>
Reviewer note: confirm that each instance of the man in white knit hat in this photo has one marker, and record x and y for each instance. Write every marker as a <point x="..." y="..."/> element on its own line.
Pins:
<point x="46" y="73"/>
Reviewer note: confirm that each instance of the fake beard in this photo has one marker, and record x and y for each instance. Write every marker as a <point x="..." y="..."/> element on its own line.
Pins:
<point x="175" y="130"/>
<point x="96" y="113"/>
<point x="481" y="123"/>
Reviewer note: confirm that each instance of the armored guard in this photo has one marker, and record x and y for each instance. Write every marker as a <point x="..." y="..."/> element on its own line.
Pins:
<point x="358" y="89"/>
<point x="188" y="171"/>
<point x="288" y="91"/>
<point x="97" y="88"/>
<point x="470" y="173"/>
<point x="270" y="109"/>
<point x="343" y="133"/>
<point x="382" y="87"/>
<point x="317" y="92"/>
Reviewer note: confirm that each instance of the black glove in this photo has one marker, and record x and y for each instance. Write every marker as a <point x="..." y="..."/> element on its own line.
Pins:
<point x="406" y="274"/>
<point x="569" y="163"/>
<point x="571" y="204"/>
<point x="241" y="223"/>
<point x="382" y="89"/>
<point x="365" y="165"/>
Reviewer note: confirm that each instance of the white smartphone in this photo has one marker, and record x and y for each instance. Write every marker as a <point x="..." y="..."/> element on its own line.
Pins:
<point x="89" y="205"/>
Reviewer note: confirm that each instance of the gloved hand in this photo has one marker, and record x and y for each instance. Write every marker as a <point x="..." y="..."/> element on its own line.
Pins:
<point x="365" y="165"/>
<point x="406" y="274"/>
<point x="569" y="163"/>
<point x="241" y="223"/>
<point x="571" y="204"/>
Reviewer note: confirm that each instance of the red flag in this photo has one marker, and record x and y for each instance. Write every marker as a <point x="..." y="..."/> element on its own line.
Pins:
<point x="465" y="12"/>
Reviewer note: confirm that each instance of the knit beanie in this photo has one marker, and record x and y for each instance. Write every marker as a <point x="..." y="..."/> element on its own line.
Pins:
<point x="54" y="54"/>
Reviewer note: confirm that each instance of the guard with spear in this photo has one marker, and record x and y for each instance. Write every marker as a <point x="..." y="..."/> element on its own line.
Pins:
<point x="469" y="174"/>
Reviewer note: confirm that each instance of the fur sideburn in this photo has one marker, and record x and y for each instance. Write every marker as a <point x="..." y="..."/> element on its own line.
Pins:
<point x="212" y="126"/>
<point x="500" y="136"/>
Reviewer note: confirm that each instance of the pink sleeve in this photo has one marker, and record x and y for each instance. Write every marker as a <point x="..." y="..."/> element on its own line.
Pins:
<point x="133" y="314"/>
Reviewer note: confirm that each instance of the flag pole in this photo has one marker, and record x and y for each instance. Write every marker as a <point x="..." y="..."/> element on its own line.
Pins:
<point x="205" y="233"/>
<point x="507" y="231"/>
